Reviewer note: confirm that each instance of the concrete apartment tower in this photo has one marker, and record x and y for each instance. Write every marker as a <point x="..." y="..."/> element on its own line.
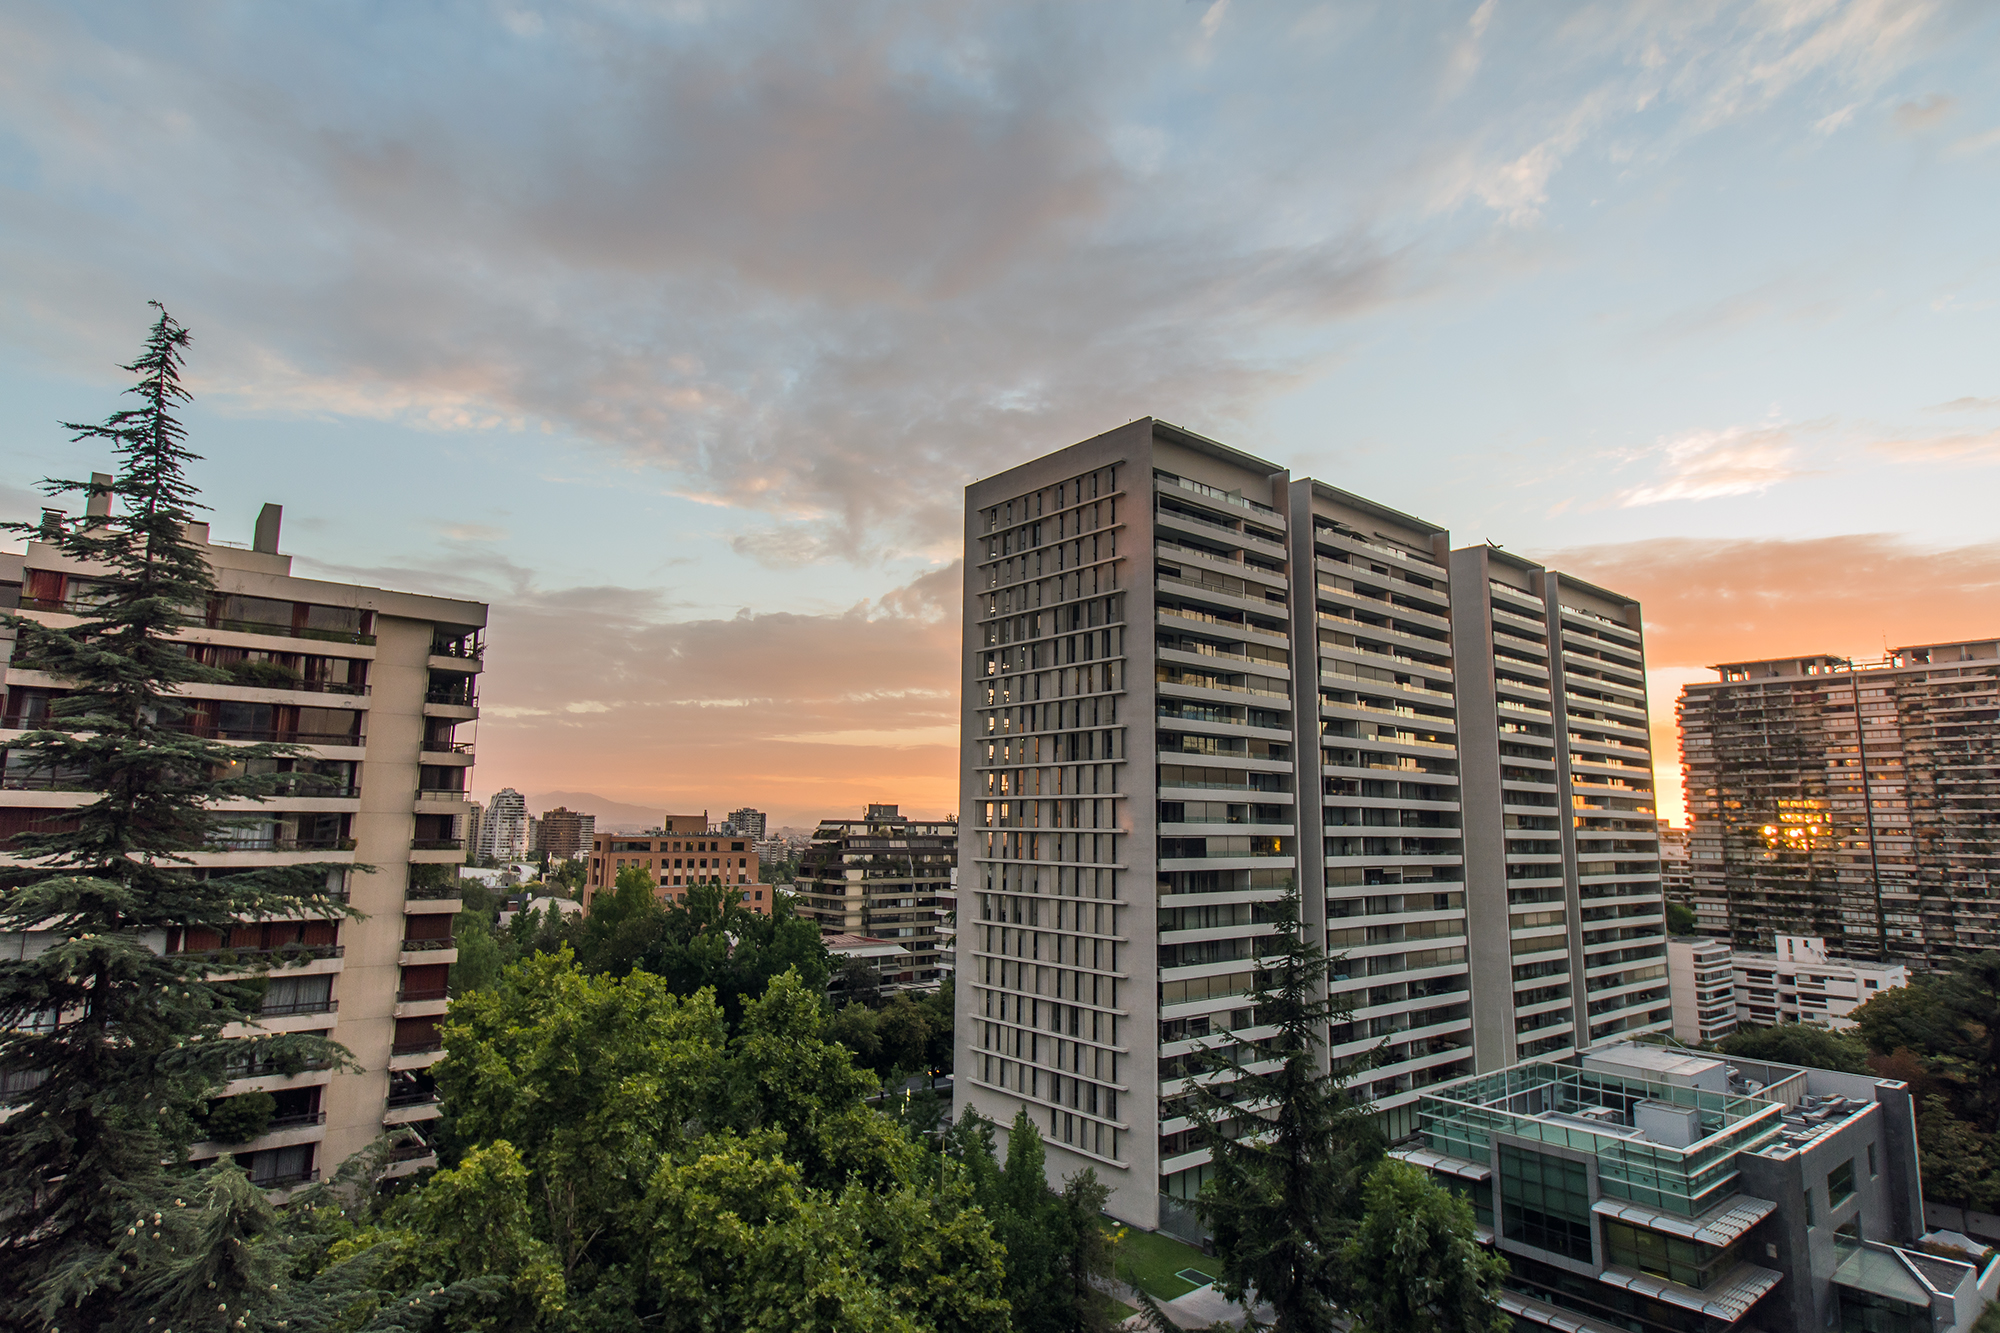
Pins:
<point x="888" y="877"/>
<point x="503" y="828"/>
<point x="1562" y="855"/>
<point x="379" y="689"/>
<point x="1192" y="681"/>
<point x="1856" y="803"/>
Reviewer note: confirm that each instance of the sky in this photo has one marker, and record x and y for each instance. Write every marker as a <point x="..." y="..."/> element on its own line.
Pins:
<point x="674" y="330"/>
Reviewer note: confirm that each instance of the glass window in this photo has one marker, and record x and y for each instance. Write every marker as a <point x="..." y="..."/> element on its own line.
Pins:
<point x="1546" y="1202"/>
<point x="1840" y="1184"/>
<point x="1687" y="1262"/>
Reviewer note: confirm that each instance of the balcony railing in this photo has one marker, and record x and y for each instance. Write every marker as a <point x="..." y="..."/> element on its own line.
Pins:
<point x="418" y="946"/>
<point x="443" y="794"/>
<point x="411" y="1150"/>
<point x="290" y="951"/>
<point x="460" y="697"/>
<point x="420" y="1046"/>
<point x="282" y="845"/>
<point x="447" y="747"/>
<point x="437" y="844"/>
<point x="413" y="1097"/>
<point x="412" y="993"/>
<point x="214" y="732"/>
<point x="434" y="892"/>
<point x="303" y="1118"/>
<point x="322" y="1006"/>
<point x="471" y="647"/>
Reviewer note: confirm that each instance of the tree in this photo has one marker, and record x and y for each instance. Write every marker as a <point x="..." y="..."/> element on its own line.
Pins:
<point x="1797" y="1044"/>
<point x="709" y="938"/>
<point x="127" y="1042"/>
<point x="1680" y="919"/>
<point x="1053" y="1244"/>
<point x="1289" y="1146"/>
<point x="621" y="925"/>
<point x="685" y="1179"/>
<point x="1416" y="1263"/>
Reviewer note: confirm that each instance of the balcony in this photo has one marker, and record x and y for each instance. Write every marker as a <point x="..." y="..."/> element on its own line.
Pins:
<point x="290" y="952"/>
<point x="290" y="1178"/>
<point x="447" y="747"/>
<point x="433" y="892"/>
<point x="314" y="1006"/>
<point x="437" y="844"/>
<point x="283" y="845"/>
<point x="443" y="794"/>
<point x="409" y="993"/>
<point x="420" y="946"/>
<point x="458" y="696"/>
<point x="399" y="1098"/>
<point x="299" y="1121"/>
<point x="419" y="1046"/>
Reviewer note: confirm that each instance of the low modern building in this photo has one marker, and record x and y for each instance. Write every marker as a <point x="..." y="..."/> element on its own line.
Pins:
<point x="1702" y="977"/>
<point x="887" y="877"/>
<point x="378" y="689"/>
<point x="1645" y="1189"/>
<point x="679" y="854"/>
<point x="1801" y="983"/>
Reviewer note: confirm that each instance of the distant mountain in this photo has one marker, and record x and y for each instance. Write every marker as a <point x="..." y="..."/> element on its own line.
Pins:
<point x="612" y="816"/>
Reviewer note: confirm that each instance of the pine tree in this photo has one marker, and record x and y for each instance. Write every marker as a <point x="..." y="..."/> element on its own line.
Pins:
<point x="1290" y="1146"/>
<point x="121" y="1040"/>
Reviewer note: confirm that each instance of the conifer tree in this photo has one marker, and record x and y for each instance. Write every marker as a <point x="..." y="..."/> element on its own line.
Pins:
<point x="117" y="1042"/>
<point x="1290" y="1146"/>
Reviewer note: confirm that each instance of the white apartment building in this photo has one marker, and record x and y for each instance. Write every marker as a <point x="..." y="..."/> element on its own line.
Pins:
<point x="1194" y="681"/>
<point x="376" y="686"/>
<point x="1562" y="837"/>
<point x="1800" y="983"/>
<point x="503" y="827"/>
<point x="1702" y="974"/>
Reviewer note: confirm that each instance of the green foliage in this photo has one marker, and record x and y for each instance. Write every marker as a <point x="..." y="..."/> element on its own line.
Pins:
<point x="1946" y="1025"/>
<point x="240" y="1118"/>
<point x="1416" y="1264"/>
<point x="1680" y="919"/>
<point x="674" y="1176"/>
<point x="711" y="939"/>
<point x="1286" y="1192"/>
<point x="129" y="1042"/>
<point x="1055" y="1249"/>
<point x="1797" y="1044"/>
<point x="911" y="1034"/>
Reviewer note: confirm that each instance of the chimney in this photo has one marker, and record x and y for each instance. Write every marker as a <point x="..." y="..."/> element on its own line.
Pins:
<point x="268" y="519"/>
<point x="52" y="524"/>
<point x="99" y="504"/>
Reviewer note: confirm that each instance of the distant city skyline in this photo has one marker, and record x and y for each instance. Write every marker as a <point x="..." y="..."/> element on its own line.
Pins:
<point x="677" y="327"/>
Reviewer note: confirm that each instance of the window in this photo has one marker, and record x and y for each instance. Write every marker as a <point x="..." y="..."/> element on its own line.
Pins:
<point x="1545" y="1202"/>
<point x="1840" y="1184"/>
<point x="1811" y="1221"/>
<point x="1687" y="1262"/>
<point x="1871" y="1161"/>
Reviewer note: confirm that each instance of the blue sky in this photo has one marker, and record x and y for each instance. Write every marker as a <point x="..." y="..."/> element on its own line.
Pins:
<point x="675" y="329"/>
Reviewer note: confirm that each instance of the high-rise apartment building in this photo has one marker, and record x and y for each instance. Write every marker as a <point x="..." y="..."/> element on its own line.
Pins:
<point x="1193" y="682"/>
<point x="475" y="817"/>
<point x="503" y="828"/>
<point x="564" y="833"/>
<point x="747" y="823"/>
<point x="1561" y="835"/>
<point x="1854" y="802"/>
<point x="374" y="686"/>
<point x="887" y="877"/>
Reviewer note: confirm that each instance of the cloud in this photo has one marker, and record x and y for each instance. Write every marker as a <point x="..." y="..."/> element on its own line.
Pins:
<point x="1707" y="601"/>
<point x="1915" y="117"/>
<point x="1966" y="405"/>
<point x="1828" y="124"/>
<point x="1973" y="144"/>
<point x="1967" y="447"/>
<point x="601" y="689"/>
<point x="1716" y="464"/>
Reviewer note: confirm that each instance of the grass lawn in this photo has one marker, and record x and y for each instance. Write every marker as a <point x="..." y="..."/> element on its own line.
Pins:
<point x="1152" y="1261"/>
